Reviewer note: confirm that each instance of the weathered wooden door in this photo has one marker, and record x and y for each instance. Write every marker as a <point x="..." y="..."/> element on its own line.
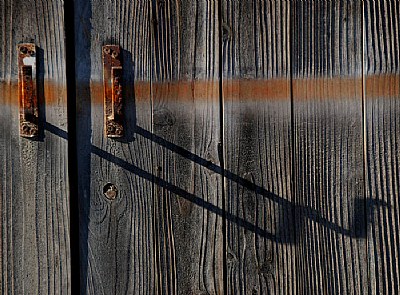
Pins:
<point x="260" y="150"/>
<point x="163" y="232"/>
<point x="34" y="185"/>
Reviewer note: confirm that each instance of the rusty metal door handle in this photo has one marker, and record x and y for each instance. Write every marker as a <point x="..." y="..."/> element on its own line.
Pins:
<point x="113" y="100"/>
<point x="28" y="102"/>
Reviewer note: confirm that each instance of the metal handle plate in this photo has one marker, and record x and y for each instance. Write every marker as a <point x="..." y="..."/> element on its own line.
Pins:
<point x="113" y="100"/>
<point x="28" y="103"/>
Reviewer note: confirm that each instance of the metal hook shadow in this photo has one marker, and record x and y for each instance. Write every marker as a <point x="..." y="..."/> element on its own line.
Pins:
<point x="357" y="230"/>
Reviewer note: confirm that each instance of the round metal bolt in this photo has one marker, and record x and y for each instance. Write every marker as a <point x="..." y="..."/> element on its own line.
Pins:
<point x="23" y="49"/>
<point x="114" y="54"/>
<point x="110" y="191"/>
<point x="33" y="131"/>
<point x="26" y="128"/>
<point x="110" y="128"/>
<point x="107" y="50"/>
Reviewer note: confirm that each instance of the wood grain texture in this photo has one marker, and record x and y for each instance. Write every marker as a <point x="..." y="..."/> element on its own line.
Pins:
<point x="188" y="188"/>
<point x="258" y="148"/>
<point x="117" y="242"/>
<point x="329" y="178"/>
<point x="382" y="113"/>
<point x="34" y="219"/>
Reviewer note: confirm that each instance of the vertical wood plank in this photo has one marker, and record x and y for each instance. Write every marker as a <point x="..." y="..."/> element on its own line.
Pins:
<point x="258" y="147"/>
<point x="116" y="235"/>
<point x="328" y="119"/>
<point x="34" y="202"/>
<point x="186" y="133"/>
<point x="382" y="112"/>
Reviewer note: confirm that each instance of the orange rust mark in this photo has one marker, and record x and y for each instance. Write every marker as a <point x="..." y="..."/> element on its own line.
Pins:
<point x="273" y="89"/>
<point x="385" y="86"/>
<point x="186" y="90"/>
<point x="327" y="89"/>
<point x="54" y="94"/>
<point x="167" y="91"/>
<point x="50" y="93"/>
<point x="141" y="92"/>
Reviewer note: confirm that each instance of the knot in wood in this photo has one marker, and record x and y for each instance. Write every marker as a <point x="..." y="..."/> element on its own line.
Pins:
<point x="226" y="32"/>
<point x="163" y="118"/>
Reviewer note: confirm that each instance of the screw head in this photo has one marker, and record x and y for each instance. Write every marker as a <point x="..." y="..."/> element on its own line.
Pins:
<point x="110" y="191"/>
<point x="26" y="128"/>
<point x="114" y="54"/>
<point x="107" y="50"/>
<point x="23" y="50"/>
<point x="110" y="128"/>
<point x="118" y="131"/>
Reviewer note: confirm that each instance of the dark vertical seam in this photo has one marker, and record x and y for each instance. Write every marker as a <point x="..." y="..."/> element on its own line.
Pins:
<point x="364" y="122"/>
<point x="152" y="24"/>
<point x="69" y="29"/>
<point x="221" y="149"/>
<point x="293" y="186"/>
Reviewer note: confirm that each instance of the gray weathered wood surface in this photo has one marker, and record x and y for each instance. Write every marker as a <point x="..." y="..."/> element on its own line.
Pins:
<point x="279" y="116"/>
<point x="257" y="148"/>
<point x="117" y="236"/>
<point x="34" y="206"/>
<point x="186" y="133"/>
<point x="328" y="132"/>
<point x="382" y="112"/>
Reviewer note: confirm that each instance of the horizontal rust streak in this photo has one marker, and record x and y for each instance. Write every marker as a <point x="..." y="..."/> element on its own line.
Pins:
<point x="52" y="93"/>
<point x="273" y="89"/>
<point x="327" y="89"/>
<point x="141" y="91"/>
<point x="385" y="86"/>
<point x="186" y="90"/>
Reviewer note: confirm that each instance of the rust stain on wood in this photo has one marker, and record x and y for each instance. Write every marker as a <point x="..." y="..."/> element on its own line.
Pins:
<point x="49" y="92"/>
<point x="327" y="89"/>
<point x="385" y="86"/>
<point x="275" y="89"/>
<point x="186" y="90"/>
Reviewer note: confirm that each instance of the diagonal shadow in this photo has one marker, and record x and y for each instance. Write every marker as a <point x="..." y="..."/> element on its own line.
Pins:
<point x="358" y="230"/>
<point x="178" y="191"/>
<point x="360" y="205"/>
